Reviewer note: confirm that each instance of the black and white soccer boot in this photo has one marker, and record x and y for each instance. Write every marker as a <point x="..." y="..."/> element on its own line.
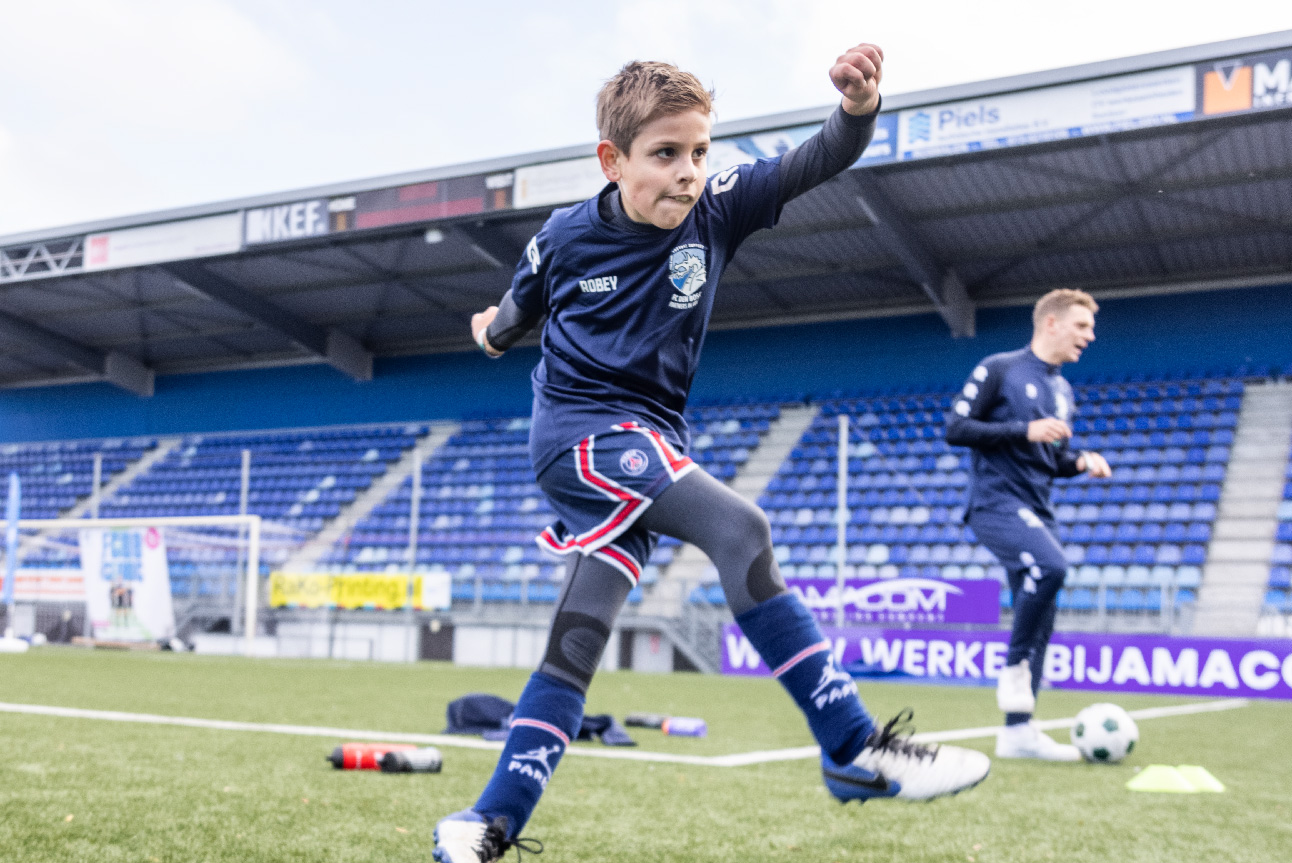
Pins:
<point x="892" y="766"/>
<point x="469" y="837"/>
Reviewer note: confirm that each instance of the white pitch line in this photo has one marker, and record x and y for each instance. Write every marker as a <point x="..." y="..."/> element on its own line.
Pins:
<point x="741" y="759"/>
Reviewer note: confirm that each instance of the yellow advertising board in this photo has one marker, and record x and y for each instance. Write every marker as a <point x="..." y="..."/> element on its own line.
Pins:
<point x="350" y="590"/>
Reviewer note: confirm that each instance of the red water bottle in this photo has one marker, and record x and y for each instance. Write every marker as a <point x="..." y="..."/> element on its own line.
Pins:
<point x="364" y="756"/>
<point x="427" y="760"/>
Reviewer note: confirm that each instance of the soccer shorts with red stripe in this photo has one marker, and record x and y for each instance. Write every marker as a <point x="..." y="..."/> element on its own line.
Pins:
<point x="601" y="487"/>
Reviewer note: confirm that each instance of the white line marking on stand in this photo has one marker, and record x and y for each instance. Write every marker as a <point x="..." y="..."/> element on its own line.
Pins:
<point x="741" y="759"/>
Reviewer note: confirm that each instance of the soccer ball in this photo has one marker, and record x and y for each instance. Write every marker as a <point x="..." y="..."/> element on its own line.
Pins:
<point x="1104" y="733"/>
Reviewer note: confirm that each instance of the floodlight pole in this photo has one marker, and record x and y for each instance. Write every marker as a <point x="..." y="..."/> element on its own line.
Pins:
<point x="841" y="514"/>
<point x="95" y="499"/>
<point x="414" y="510"/>
<point x="244" y="495"/>
<point x="253" y="580"/>
<point x="97" y="484"/>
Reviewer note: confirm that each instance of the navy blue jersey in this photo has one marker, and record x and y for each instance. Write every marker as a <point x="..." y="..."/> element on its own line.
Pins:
<point x="627" y="310"/>
<point x="1002" y="395"/>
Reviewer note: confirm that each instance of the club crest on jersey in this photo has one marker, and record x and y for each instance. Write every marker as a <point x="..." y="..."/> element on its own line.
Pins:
<point x="688" y="273"/>
<point x="634" y="462"/>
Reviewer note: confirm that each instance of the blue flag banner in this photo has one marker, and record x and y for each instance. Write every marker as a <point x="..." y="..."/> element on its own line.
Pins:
<point x="11" y="537"/>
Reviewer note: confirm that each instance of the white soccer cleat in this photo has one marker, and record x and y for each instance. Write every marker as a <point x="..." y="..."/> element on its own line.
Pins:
<point x="1014" y="689"/>
<point x="892" y="766"/>
<point x="1026" y="740"/>
<point x="468" y="837"/>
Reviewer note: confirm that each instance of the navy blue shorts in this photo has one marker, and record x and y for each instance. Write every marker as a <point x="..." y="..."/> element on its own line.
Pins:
<point x="601" y="486"/>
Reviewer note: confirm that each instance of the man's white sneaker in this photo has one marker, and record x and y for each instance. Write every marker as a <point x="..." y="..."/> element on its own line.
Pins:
<point x="892" y="766"/>
<point x="1014" y="689"/>
<point x="1025" y="740"/>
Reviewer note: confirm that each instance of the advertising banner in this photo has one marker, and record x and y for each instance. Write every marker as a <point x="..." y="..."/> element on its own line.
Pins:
<point x="1067" y="111"/>
<point x="127" y="584"/>
<point x="901" y="600"/>
<point x="286" y="222"/>
<point x="358" y="590"/>
<point x="557" y="183"/>
<point x="1159" y="664"/>
<point x="48" y="585"/>
<point x="1245" y="84"/>
<point x="172" y="241"/>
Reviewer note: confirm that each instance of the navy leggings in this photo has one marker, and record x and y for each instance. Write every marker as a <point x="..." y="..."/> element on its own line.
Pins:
<point x="1025" y="544"/>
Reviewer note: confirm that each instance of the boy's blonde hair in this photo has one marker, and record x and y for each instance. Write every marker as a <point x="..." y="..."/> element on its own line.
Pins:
<point x="1058" y="301"/>
<point x="644" y="91"/>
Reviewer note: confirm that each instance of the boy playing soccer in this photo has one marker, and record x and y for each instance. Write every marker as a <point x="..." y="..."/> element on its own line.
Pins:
<point x="627" y="280"/>
<point x="1014" y="413"/>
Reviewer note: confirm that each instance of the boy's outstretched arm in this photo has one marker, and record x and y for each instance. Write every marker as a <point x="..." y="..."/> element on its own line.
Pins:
<point x="499" y="327"/>
<point x="841" y="141"/>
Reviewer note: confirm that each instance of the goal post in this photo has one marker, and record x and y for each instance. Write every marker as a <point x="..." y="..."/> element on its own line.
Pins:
<point x="51" y="553"/>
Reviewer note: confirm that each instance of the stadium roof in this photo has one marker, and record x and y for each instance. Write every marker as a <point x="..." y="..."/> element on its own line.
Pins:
<point x="1160" y="173"/>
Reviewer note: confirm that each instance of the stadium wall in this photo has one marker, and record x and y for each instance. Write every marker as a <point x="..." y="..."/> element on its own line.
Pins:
<point x="1172" y="333"/>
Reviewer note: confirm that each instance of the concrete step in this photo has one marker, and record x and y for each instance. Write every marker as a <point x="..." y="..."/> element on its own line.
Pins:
<point x="1237" y="507"/>
<point x="1262" y="451"/>
<point x="1240" y="550"/>
<point x="1220" y="575"/>
<point x="1244" y="528"/>
<point x="1252" y="469"/>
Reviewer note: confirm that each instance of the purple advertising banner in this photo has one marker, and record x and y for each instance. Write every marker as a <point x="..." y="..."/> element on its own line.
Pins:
<point x="1160" y="664"/>
<point x="902" y="600"/>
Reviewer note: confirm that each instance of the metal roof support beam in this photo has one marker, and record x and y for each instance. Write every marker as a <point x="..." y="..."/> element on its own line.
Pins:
<point x="338" y="349"/>
<point x="941" y="283"/>
<point x="114" y="367"/>
<point x="488" y="242"/>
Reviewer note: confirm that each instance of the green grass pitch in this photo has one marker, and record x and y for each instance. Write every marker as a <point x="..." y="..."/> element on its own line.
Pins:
<point x="88" y="790"/>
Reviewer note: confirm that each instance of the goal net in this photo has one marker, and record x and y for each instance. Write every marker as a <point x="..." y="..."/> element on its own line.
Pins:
<point x="140" y="579"/>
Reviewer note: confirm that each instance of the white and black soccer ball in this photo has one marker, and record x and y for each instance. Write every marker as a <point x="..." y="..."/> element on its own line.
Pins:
<point x="1104" y="733"/>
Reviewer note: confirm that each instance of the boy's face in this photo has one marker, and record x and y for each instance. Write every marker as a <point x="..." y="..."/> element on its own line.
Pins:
<point x="661" y="177"/>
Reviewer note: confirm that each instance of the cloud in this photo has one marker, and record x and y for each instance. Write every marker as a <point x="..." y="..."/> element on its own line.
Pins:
<point x="130" y="105"/>
<point x="199" y="65"/>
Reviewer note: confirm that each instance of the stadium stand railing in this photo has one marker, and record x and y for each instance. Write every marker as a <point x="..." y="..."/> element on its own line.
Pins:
<point x="1278" y="593"/>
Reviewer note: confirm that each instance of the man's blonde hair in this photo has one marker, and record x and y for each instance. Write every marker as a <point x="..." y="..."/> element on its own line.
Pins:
<point x="644" y="91"/>
<point x="1058" y="301"/>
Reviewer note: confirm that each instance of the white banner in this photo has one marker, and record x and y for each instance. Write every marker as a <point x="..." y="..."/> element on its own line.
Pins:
<point x="437" y="588"/>
<point x="127" y="584"/>
<point x="557" y="183"/>
<point x="1069" y="111"/>
<point x="172" y="241"/>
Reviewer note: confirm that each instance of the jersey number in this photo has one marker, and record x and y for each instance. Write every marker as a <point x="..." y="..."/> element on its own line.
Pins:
<point x="723" y="181"/>
<point x="531" y="252"/>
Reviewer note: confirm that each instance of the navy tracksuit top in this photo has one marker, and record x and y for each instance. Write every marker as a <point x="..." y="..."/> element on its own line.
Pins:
<point x="990" y="415"/>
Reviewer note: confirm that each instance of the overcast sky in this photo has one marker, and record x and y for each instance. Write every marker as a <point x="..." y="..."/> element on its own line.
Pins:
<point x="114" y="107"/>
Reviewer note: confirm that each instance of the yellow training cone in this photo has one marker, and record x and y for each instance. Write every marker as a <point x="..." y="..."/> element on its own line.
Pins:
<point x="1185" y="779"/>
<point x="1201" y="778"/>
